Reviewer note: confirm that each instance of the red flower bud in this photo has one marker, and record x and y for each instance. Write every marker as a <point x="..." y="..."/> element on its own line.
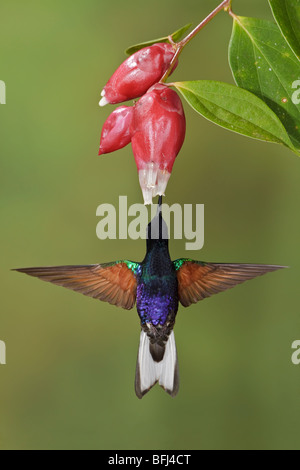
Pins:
<point x="157" y="135"/>
<point x="116" y="130"/>
<point x="138" y="73"/>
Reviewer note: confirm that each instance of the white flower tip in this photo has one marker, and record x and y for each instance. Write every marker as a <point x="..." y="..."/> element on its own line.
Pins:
<point x="103" y="101"/>
<point x="163" y="177"/>
<point x="148" y="203"/>
<point x="103" y="92"/>
<point x="147" y="195"/>
<point x="153" y="181"/>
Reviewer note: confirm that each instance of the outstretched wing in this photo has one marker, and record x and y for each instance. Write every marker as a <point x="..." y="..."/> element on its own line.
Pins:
<point x="198" y="280"/>
<point x="112" y="282"/>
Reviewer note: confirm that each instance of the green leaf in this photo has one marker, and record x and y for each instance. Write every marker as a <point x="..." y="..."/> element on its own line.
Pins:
<point x="263" y="63"/>
<point x="177" y="36"/>
<point x="235" y="109"/>
<point x="287" y="16"/>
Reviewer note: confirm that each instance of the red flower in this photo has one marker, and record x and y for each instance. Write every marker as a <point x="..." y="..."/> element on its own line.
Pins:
<point x="157" y="135"/>
<point x="138" y="73"/>
<point x="116" y="130"/>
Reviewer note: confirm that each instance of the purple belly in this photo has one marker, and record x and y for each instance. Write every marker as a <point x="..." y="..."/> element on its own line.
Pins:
<point x="155" y="307"/>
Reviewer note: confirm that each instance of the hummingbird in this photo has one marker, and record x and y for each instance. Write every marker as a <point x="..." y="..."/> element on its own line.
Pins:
<point x="156" y="285"/>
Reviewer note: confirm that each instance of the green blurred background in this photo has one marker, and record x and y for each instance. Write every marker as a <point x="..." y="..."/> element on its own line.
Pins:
<point x="68" y="382"/>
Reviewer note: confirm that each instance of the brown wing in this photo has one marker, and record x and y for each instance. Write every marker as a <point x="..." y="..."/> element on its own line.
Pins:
<point x="198" y="280"/>
<point x="114" y="282"/>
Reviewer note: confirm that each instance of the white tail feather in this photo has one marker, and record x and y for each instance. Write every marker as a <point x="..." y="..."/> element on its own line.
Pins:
<point x="149" y="372"/>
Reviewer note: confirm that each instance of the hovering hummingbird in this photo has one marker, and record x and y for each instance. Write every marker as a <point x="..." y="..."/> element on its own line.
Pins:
<point x="156" y="285"/>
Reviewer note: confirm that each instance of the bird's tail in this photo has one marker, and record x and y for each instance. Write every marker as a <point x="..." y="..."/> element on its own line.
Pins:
<point x="156" y="364"/>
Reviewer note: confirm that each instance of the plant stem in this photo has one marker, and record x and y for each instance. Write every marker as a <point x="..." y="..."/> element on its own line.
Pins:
<point x="225" y="5"/>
